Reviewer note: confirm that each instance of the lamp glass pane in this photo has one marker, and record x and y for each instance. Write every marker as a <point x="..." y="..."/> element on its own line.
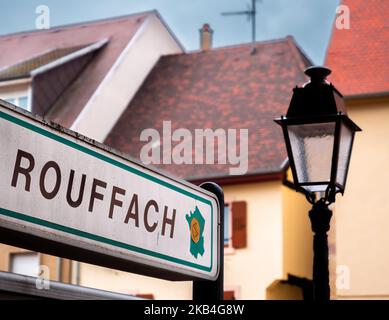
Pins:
<point x="345" y="145"/>
<point x="312" y="147"/>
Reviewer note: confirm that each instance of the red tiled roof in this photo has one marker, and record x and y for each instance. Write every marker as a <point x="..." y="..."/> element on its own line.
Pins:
<point x="227" y="88"/>
<point x="359" y="56"/>
<point x="19" y="47"/>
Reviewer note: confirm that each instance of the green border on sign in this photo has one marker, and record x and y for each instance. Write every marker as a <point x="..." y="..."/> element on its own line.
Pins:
<point x="116" y="163"/>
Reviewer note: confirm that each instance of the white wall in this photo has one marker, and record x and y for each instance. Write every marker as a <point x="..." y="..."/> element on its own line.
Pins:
<point x="111" y="98"/>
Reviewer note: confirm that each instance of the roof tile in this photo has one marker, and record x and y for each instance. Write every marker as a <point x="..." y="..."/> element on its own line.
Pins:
<point x="228" y="88"/>
<point x="359" y="56"/>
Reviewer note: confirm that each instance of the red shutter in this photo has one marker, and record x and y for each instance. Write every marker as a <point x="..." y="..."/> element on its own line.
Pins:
<point x="146" y="296"/>
<point x="229" y="295"/>
<point x="239" y="224"/>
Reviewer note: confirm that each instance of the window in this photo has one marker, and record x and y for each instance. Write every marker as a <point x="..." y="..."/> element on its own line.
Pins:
<point x="23" y="102"/>
<point x="20" y="101"/>
<point x="235" y="225"/>
<point x="25" y="263"/>
<point x="227" y="226"/>
<point x="11" y="100"/>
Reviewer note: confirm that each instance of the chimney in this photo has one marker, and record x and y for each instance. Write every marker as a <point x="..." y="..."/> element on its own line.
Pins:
<point x="206" y="34"/>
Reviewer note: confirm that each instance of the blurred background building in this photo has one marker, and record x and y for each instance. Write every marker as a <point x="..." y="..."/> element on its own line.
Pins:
<point x="110" y="79"/>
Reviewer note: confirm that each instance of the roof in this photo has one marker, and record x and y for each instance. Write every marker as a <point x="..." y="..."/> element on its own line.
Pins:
<point x="228" y="88"/>
<point x="51" y="80"/>
<point x="24" y="68"/>
<point x="359" y="56"/>
<point x="27" y="50"/>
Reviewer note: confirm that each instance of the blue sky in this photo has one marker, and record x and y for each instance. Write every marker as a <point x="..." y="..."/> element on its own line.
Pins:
<point x="309" y="21"/>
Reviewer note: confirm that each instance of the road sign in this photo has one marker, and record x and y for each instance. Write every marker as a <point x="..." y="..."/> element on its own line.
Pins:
<point x="67" y="195"/>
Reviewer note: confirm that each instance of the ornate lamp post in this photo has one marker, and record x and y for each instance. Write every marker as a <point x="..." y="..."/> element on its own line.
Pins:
<point x="319" y="138"/>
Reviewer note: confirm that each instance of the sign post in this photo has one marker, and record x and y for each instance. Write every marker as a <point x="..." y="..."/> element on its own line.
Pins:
<point x="64" y="194"/>
<point x="213" y="290"/>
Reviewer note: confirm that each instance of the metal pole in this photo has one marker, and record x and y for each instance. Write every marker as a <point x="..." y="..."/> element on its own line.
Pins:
<point x="320" y="217"/>
<point x="254" y="17"/>
<point x="213" y="290"/>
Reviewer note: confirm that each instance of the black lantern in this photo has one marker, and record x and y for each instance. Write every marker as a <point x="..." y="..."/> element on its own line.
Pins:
<point x="318" y="136"/>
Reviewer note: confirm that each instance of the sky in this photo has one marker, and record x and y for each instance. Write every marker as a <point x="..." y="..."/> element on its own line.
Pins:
<point x="309" y="21"/>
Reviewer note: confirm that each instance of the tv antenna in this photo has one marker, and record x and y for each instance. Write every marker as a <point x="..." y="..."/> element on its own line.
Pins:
<point x="251" y="13"/>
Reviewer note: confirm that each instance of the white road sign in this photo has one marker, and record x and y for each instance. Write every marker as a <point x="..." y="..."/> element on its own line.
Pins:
<point x="63" y="188"/>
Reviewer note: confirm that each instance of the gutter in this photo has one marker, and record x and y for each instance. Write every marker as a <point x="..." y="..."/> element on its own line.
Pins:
<point x="253" y="177"/>
<point x="232" y="180"/>
<point x="382" y="94"/>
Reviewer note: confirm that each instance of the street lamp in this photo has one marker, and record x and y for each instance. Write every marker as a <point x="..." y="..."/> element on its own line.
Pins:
<point x="319" y="138"/>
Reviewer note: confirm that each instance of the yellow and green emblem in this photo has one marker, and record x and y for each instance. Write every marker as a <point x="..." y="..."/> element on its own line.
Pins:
<point x="196" y="227"/>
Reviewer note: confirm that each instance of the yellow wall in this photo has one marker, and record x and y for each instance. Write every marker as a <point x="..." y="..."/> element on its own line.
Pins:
<point x="297" y="238"/>
<point x="254" y="268"/>
<point x="362" y="215"/>
<point x="5" y="255"/>
<point x="51" y="262"/>
<point x="280" y="290"/>
<point x="128" y="283"/>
